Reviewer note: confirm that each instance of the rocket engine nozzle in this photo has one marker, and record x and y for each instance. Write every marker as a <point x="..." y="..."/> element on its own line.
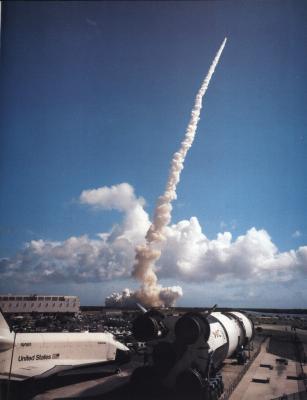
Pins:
<point x="149" y="326"/>
<point x="190" y="327"/>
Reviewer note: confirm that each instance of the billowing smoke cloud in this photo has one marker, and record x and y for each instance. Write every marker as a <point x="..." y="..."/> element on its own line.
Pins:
<point x="146" y="255"/>
<point x="187" y="254"/>
<point x="250" y="256"/>
<point x="121" y="198"/>
<point x="181" y="251"/>
<point x="128" y="298"/>
<point x="124" y="299"/>
<point x="82" y="259"/>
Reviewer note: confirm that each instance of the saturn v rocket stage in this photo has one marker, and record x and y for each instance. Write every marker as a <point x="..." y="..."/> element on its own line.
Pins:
<point x="185" y="353"/>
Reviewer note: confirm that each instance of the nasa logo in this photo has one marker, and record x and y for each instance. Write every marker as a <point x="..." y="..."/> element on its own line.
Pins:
<point x="217" y="333"/>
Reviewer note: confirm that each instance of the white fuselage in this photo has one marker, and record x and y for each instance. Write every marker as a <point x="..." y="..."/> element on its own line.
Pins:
<point x="24" y="355"/>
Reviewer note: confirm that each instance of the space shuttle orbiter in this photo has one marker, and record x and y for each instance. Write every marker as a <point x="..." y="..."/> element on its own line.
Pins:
<point x="38" y="355"/>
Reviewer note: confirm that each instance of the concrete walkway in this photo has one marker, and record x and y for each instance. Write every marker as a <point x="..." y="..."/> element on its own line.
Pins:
<point x="278" y="382"/>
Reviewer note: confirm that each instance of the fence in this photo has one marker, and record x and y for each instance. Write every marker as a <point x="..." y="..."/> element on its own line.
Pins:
<point x="301" y="358"/>
<point x="293" y="396"/>
<point x="228" y="392"/>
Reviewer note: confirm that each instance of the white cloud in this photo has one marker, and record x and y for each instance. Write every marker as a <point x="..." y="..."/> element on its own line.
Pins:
<point x="122" y="198"/>
<point x="190" y="255"/>
<point x="186" y="254"/>
<point x="129" y="298"/>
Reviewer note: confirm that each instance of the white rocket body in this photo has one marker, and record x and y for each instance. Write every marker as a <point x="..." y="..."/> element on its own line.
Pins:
<point x="193" y="343"/>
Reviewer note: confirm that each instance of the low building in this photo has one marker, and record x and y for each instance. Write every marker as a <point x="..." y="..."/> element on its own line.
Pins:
<point x="39" y="304"/>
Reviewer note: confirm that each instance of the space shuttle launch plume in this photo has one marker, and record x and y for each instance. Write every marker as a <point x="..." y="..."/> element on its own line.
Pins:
<point x="162" y="215"/>
<point x="151" y="293"/>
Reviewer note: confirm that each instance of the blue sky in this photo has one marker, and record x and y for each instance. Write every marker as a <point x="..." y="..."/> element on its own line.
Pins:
<point x="94" y="94"/>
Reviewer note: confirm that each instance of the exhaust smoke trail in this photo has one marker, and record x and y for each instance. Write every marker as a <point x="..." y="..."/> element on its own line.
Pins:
<point x="162" y="215"/>
<point x="151" y="293"/>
